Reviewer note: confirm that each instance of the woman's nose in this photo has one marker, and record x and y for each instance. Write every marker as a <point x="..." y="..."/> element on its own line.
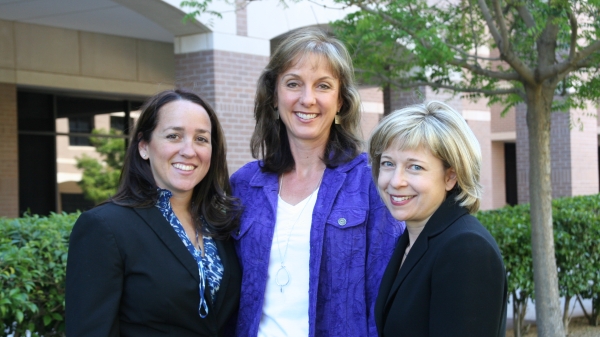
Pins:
<point x="398" y="178"/>
<point x="308" y="97"/>
<point x="187" y="148"/>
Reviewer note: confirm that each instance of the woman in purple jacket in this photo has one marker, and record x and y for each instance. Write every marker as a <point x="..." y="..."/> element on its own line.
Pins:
<point x="315" y="236"/>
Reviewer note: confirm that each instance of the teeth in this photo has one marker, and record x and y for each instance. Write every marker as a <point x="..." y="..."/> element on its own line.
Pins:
<point x="183" y="167"/>
<point x="398" y="199"/>
<point x="306" y="116"/>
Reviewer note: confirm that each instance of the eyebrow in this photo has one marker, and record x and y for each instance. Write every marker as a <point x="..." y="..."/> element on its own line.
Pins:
<point x="179" y="128"/>
<point x="298" y="76"/>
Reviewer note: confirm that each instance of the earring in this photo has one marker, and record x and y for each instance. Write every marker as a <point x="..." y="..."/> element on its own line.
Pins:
<point x="144" y="156"/>
<point x="337" y="119"/>
<point x="276" y="112"/>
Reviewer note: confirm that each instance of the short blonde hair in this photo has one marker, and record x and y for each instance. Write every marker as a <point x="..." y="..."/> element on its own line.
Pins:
<point x="445" y="133"/>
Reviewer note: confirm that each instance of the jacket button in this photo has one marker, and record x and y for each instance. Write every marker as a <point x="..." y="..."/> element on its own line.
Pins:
<point x="342" y="221"/>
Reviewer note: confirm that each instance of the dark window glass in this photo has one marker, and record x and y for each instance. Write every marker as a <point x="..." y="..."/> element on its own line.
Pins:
<point x="80" y="124"/>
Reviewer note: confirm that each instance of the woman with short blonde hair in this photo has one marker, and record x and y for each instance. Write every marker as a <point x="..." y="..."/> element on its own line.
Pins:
<point x="446" y="276"/>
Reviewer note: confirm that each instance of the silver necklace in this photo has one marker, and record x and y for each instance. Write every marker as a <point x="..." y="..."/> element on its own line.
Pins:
<point x="282" y="276"/>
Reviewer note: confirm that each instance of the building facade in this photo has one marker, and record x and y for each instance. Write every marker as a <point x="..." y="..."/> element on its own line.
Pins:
<point x="68" y="67"/>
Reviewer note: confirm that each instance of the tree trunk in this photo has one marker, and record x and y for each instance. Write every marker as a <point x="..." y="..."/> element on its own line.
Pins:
<point x="547" y="306"/>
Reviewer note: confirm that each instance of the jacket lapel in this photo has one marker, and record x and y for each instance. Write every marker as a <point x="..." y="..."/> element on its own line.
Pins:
<point x="166" y="234"/>
<point x="448" y="212"/>
<point x="225" y="256"/>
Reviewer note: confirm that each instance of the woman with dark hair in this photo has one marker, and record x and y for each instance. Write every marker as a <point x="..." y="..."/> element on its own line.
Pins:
<point x="156" y="259"/>
<point x="314" y="236"/>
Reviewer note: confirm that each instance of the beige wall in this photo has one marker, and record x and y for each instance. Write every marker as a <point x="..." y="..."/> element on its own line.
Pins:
<point x="59" y="58"/>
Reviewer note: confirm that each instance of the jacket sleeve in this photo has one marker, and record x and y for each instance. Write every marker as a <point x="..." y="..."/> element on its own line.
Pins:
<point x="467" y="288"/>
<point x="94" y="279"/>
<point x="383" y="232"/>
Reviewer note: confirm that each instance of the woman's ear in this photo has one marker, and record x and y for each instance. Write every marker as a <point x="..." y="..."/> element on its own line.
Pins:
<point x="142" y="147"/>
<point x="450" y="178"/>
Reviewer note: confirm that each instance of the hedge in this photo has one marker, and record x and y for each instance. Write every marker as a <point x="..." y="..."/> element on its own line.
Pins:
<point x="576" y="222"/>
<point x="33" y="259"/>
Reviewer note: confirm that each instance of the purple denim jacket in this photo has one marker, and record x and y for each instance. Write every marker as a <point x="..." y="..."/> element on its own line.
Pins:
<point x="351" y="241"/>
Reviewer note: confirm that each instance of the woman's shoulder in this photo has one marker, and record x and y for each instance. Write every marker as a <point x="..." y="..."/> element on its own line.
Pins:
<point x="107" y="211"/>
<point x="247" y="171"/>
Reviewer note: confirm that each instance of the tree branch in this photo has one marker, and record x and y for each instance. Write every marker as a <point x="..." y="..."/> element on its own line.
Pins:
<point x="471" y="56"/>
<point x="502" y="42"/>
<point x="577" y="62"/>
<point x="475" y="68"/>
<point x="573" y="22"/>
<point x="391" y="20"/>
<point x="525" y="15"/>
<point x="472" y="90"/>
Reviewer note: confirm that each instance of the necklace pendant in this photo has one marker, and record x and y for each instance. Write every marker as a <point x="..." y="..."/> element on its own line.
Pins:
<point x="282" y="278"/>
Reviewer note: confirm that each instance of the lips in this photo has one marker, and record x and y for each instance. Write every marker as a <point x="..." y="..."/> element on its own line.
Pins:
<point x="183" y="167"/>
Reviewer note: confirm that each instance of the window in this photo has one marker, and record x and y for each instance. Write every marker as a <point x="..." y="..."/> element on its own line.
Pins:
<point x="80" y="124"/>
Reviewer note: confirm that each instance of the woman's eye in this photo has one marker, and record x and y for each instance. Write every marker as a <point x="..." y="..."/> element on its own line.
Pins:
<point x="172" y="136"/>
<point x="324" y="86"/>
<point x="292" y="84"/>
<point x="416" y="167"/>
<point x="202" y="140"/>
<point x="386" y="163"/>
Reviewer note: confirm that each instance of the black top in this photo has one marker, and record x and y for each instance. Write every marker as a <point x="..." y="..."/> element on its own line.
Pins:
<point x="129" y="274"/>
<point x="452" y="283"/>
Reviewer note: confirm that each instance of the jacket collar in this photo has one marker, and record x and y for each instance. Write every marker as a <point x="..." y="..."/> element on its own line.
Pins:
<point x="265" y="179"/>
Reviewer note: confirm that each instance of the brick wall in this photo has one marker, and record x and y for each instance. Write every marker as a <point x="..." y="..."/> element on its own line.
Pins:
<point x="227" y="80"/>
<point x="9" y="161"/>
<point x="573" y="157"/>
<point x="560" y="152"/>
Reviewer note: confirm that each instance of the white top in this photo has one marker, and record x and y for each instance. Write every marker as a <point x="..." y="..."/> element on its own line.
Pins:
<point x="285" y="311"/>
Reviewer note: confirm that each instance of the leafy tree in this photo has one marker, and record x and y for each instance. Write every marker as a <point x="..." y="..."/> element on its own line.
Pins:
<point x="544" y="53"/>
<point x="101" y="178"/>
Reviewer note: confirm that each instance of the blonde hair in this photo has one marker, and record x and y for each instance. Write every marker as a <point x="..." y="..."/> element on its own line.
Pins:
<point x="445" y="133"/>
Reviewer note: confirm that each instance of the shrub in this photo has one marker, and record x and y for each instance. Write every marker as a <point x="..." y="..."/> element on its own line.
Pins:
<point x="33" y="258"/>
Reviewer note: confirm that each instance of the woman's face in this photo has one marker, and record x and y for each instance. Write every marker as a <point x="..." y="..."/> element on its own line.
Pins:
<point x="308" y="97"/>
<point x="180" y="147"/>
<point x="413" y="183"/>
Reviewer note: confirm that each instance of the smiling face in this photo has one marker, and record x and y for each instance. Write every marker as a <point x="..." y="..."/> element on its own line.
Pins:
<point x="413" y="183"/>
<point x="308" y="97"/>
<point x="180" y="147"/>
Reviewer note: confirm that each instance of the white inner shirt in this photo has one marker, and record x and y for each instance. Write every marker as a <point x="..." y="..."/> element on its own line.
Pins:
<point x="285" y="310"/>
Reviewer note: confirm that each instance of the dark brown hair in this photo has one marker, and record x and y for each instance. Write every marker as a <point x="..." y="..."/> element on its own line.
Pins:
<point x="211" y="198"/>
<point x="269" y="141"/>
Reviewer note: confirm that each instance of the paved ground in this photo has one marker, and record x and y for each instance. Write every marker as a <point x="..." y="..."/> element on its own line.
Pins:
<point x="578" y="327"/>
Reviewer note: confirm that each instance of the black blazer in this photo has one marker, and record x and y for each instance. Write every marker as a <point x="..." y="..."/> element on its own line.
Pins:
<point x="452" y="283"/>
<point x="129" y="274"/>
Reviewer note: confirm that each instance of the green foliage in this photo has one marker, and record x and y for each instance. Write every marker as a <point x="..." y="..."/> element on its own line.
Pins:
<point x="576" y="222"/>
<point x="101" y="179"/>
<point x="33" y="258"/>
<point x="511" y="227"/>
<point x="408" y="43"/>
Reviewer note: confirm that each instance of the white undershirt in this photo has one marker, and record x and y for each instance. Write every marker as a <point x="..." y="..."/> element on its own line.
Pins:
<point x="285" y="311"/>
